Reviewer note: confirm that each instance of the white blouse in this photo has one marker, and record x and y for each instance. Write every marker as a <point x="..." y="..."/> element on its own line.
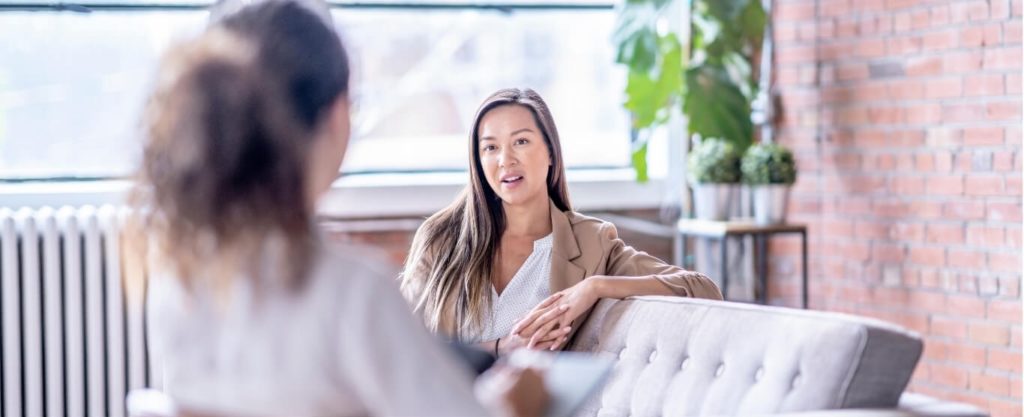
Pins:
<point x="346" y="344"/>
<point x="529" y="287"/>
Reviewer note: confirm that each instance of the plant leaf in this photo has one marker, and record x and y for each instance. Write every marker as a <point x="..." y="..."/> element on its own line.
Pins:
<point x="716" y="107"/>
<point x="639" y="158"/>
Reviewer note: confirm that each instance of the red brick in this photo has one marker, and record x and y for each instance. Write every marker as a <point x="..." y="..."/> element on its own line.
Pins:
<point x="987" y="236"/>
<point x="965" y="354"/>
<point x="1013" y="237"/>
<point x="1004" y="110"/>
<point x="1001" y="261"/>
<point x="940" y="40"/>
<point x="990" y="334"/>
<point x="907" y="185"/>
<point x="923" y="66"/>
<point x="977" y="136"/>
<point x="999" y="9"/>
<point x="945" y="184"/>
<point x="833" y="8"/>
<point x="908" y="89"/>
<point x="795" y="54"/>
<point x="972" y="37"/>
<point x="1004" y="310"/>
<point x="973" y="10"/>
<point x="911" y="232"/>
<point x="1009" y="286"/>
<point x="950" y="376"/>
<point x="1002" y="161"/>
<point x="788" y="11"/>
<point x="927" y="301"/>
<point x="928" y="256"/>
<point x="964" y="112"/>
<point x="966" y="259"/>
<point x="923" y="114"/>
<point x="967" y="306"/>
<point x="887" y="252"/>
<point x="983" y="185"/>
<point x="964" y="210"/>
<point x="947" y="327"/>
<point x="1012" y="33"/>
<point x="853" y="71"/>
<point x="903" y="45"/>
<point x="1002" y="58"/>
<point x="927" y="209"/>
<point x="1007" y="212"/>
<point x="946" y="87"/>
<point x="1004" y="408"/>
<point x="945" y="233"/>
<point x="1004" y="359"/>
<point x="984" y="85"/>
<point x="957" y="62"/>
<point x="989" y="383"/>
<point x="924" y="162"/>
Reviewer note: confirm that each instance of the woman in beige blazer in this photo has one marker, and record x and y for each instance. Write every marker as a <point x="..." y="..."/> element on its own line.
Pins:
<point x="513" y="228"/>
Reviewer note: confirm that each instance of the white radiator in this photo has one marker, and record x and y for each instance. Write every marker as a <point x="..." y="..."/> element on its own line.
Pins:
<point x="71" y="345"/>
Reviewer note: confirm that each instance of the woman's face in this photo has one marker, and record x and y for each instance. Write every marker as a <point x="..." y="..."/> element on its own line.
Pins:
<point x="513" y="154"/>
<point x="328" y="149"/>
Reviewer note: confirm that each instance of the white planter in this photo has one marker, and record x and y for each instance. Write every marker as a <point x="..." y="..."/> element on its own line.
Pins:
<point x="770" y="203"/>
<point x="713" y="201"/>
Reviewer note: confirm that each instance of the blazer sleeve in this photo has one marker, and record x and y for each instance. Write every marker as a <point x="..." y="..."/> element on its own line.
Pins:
<point x="623" y="260"/>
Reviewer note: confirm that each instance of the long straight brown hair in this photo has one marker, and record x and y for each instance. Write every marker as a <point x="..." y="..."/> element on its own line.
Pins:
<point x="462" y="239"/>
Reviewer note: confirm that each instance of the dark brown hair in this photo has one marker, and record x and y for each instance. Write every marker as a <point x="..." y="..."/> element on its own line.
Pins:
<point x="463" y="238"/>
<point x="228" y="131"/>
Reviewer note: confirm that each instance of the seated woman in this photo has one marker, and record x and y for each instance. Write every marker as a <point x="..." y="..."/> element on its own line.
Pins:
<point x="509" y="264"/>
<point x="253" y="312"/>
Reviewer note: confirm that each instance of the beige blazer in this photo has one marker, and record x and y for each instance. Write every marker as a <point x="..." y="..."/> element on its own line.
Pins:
<point x="586" y="246"/>
<point x="583" y="247"/>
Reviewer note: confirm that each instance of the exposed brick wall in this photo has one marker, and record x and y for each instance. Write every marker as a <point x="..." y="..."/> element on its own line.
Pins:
<point x="905" y="116"/>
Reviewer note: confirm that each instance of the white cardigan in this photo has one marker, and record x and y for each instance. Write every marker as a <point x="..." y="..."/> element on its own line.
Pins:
<point x="347" y="344"/>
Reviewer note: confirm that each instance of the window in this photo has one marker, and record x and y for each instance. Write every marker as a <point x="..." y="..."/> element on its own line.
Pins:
<point x="72" y="85"/>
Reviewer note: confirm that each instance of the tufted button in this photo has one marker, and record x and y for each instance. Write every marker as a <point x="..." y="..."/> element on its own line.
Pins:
<point x="654" y="354"/>
<point x="796" y="380"/>
<point x="622" y="353"/>
<point x="759" y="374"/>
<point x="686" y="362"/>
<point x="720" y="370"/>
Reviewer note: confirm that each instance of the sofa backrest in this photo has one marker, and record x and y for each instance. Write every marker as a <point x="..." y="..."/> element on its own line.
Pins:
<point x="687" y="357"/>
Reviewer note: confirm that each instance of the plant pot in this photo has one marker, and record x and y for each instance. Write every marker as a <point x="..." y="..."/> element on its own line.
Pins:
<point x="770" y="203"/>
<point x="713" y="201"/>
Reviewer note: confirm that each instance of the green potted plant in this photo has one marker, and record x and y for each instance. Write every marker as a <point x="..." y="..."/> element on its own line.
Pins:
<point x="713" y="82"/>
<point x="714" y="171"/>
<point x="770" y="170"/>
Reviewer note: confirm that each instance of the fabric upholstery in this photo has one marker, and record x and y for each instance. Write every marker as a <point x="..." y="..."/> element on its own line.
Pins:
<point x="689" y="357"/>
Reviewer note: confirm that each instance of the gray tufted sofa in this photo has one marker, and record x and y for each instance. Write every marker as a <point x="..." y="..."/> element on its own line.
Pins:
<point x="687" y="357"/>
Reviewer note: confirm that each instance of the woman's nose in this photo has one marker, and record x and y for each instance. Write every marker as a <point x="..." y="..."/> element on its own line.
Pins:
<point x="506" y="158"/>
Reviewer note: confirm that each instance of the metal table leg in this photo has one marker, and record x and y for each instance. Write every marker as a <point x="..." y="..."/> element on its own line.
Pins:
<point x="762" y="253"/>
<point x="803" y="257"/>
<point x="725" y="267"/>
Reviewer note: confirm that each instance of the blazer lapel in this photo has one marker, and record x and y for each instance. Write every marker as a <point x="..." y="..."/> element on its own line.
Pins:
<point x="565" y="249"/>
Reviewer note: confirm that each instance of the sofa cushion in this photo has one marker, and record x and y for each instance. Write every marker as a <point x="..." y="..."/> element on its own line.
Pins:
<point x="689" y="357"/>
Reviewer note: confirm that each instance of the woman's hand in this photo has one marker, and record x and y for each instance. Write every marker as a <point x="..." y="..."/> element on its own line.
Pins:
<point x="513" y="392"/>
<point x="544" y="316"/>
<point x="550" y="326"/>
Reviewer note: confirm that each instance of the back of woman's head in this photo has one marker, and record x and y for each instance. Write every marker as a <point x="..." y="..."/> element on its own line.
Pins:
<point x="229" y="130"/>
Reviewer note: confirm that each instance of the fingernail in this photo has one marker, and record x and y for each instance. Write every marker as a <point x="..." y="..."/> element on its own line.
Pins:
<point x="564" y="307"/>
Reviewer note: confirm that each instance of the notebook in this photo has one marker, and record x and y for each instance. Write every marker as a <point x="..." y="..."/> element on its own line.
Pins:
<point x="570" y="377"/>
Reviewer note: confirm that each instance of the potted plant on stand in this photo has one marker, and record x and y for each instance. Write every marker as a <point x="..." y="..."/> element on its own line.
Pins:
<point x="712" y="79"/>
<point x="770" y="170"/>
<point x="714" y="168"/>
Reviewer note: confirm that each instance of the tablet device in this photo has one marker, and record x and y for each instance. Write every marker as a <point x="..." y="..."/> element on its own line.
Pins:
<point x="571" y="377"/>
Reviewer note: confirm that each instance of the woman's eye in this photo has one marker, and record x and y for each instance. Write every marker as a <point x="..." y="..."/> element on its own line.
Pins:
<point x="521" y="141"/>
<point x="488" y="148"/>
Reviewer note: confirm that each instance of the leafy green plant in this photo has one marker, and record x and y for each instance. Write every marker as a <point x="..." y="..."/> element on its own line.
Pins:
<point x="714" y="161"/>
<point x="767" y="163"/>
<point x="714" y="84"/>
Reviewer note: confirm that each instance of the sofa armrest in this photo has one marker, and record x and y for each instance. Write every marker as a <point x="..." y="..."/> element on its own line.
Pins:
<point x="911" y="405"/>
